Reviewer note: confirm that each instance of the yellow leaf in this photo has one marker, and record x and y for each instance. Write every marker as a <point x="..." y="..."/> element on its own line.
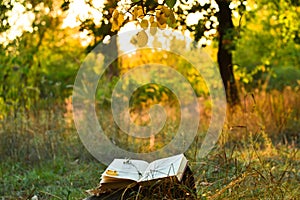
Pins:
<point x="142" y="38"/>
<point x="167" y="11"/>
<point x="144" y="24"/>
<point x="140" y="13"/>
<point x="120" y="19"/>
<point x="115" y="14"/>
<point x="151" y="19"/>
<point x="133" y="40"/>
<point x="137" y="12"/>
<point x="116" y="20"/>
<point x="162" y="19"/>
<point x="114" y="26"/>
<point x="153" y="28"/>
<point x="158" y="13"/>
<point x="153" y="31"/>
<point x="162" y="26"/>
<point x="159" y="7"/>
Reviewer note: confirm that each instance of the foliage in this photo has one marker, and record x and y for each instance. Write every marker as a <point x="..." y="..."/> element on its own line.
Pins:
<point x="269" y="47"/>
<point x="165" y="58"/>
<point x="40" y="66"/>
<point x="156" y="14"/>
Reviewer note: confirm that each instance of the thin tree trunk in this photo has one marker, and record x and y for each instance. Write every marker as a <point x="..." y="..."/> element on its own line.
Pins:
<point x="112" y="52"/>
<point x="224" y="52"/>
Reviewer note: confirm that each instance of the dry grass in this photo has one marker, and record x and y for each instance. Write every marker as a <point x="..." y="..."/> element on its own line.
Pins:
<point x="276" y="113"/>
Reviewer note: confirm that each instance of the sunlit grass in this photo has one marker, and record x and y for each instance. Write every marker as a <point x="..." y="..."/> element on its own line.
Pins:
<point x="257" y="155"/>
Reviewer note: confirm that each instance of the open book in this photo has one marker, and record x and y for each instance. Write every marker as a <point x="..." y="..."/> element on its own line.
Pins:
<point x="123" y="172"/>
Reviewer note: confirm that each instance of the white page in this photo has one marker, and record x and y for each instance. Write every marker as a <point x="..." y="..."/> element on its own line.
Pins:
<point x="164" y="167"/>
<point x="127" y="170"/>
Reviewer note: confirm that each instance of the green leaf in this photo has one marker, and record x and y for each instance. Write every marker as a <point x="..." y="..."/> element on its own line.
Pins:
<point x="170" y="3"/>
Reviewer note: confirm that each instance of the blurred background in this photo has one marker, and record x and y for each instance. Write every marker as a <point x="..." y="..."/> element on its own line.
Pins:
<point x="255" y="44"/>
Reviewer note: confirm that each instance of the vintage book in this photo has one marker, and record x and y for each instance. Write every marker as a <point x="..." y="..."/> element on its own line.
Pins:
<point x="123" y="172"/>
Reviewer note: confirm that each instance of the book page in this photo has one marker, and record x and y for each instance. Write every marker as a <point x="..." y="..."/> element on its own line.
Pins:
<point x="171" y="166"/>
<point x="125" y="169"/>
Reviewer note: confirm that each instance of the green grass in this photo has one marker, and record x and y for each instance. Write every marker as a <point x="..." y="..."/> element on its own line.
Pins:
<point x="55" y="179"/>
<point x="240" y="173"/>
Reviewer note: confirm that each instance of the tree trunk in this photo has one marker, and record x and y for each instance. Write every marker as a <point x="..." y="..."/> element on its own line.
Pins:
<point x="224" y="52"/>
<point x="111" y="52"/>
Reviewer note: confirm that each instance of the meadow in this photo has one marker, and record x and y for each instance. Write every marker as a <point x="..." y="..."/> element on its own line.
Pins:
<point x="257" y="155"/>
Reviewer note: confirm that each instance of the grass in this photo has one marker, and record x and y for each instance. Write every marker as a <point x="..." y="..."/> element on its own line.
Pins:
<point x="257" y="156"/>
<point x="224" y="174"/>
<point x="59" y="179"/>
<point x="249" y="174"/>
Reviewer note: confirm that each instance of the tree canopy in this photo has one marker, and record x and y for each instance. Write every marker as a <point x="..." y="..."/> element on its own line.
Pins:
<point x="254" y="39"/>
